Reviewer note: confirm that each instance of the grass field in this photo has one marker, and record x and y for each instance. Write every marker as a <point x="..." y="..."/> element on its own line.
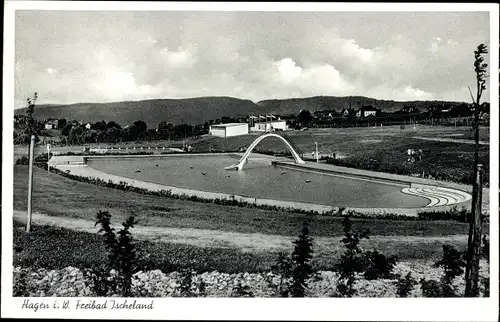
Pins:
<point x="54" y="247"/>
<point x="54" y="195"/>
<point x="381" y="149"/>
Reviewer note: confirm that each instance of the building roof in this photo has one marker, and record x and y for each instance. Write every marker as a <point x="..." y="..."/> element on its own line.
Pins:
<point x="229" y="124"/>
<point x="368" y="108"/>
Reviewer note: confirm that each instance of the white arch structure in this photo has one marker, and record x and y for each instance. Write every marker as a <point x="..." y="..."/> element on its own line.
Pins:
<point x="243" y="159"/>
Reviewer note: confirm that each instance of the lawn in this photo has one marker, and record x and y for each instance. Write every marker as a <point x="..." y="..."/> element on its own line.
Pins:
<point x="55" y="248"/>
<point x="59" y="196"/>
<point x="381" y="149"/>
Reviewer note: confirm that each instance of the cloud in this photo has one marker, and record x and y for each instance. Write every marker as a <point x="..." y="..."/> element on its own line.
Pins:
<point x="350" y="48"/>
<point x="288" y="70"/>
<point x="51" y="71"/>
<point x="415" y="93"/>
<point x="251" y="55"/>
<point x="177" y="59"/>
<point x="307" y="80"/>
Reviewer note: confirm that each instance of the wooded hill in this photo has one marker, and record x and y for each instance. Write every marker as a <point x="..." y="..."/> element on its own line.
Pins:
<point x="202" y="109"/>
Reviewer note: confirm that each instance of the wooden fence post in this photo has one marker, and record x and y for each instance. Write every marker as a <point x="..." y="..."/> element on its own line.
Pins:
<point x="474" y="243"/>
<point x="30" y="182"/>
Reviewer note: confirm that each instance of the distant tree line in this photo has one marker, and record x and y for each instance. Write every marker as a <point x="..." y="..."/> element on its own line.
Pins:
<point x="112" y="132"/>
<point x="459" y="114"/>
<point x="75" y="132"/>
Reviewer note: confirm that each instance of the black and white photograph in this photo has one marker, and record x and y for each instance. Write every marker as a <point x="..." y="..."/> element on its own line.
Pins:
<point x="344" y="153"/>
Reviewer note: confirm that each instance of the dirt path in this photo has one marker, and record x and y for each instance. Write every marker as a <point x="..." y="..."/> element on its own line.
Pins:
<point x="218" y="238"/>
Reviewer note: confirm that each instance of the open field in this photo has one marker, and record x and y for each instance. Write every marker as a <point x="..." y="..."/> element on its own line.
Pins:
<point x="65" y="247"/>
<point x="345" y="140"/>
<point x="381" y="149"/>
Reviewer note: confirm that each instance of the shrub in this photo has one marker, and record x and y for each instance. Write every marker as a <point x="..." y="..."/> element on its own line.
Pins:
<point x="121" y="264"/>
<point x="453" y="263"/>
<point x="302" y="269"/>
<point x="377" y="265"/>
<point x="462" y="215"/>
<point x="187" y="287"/>
<point x="351" y="261"/>
<point x="102" y="283"/>
<point x="23" y="160"/>
<point x="405" y="285"/>
<point x="240" y="290"/>
<point x="430" y="288"/>
<point x="20" y="284"/>
<point x="485" y="251"/>
<point x="283" y="267"/>
<point x="485" y="282"/>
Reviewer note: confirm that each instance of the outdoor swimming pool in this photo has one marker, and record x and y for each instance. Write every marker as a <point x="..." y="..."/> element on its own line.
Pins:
<point x="258" y="179"/>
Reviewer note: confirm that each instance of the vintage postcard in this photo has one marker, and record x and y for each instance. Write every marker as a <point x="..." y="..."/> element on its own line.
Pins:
<point x="250" y="161"/>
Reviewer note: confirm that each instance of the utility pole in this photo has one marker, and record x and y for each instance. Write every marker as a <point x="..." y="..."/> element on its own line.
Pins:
<point x="48" y="157"/>
<point x="317" y="157"/>
<point x="30" y="182"/>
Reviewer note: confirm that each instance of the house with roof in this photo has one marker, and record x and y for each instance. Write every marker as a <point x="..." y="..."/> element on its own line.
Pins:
<point x="346" y="112"/>
<point x="51" y="124"/>
<point x="366" y="111"/>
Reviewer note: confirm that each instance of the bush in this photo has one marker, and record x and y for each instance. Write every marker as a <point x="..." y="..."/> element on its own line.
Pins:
<point x="485" y="251"/>
<point x="188" y="288"/>
<point x="302" y="269"/>
<point x="485" y="282"/>
<point x="116" y="274"/>
<point x="378" y="265"/>
<point x="20" y="284"/>
<point x="241" y="290"/>
<point x="430" y="288"/>
<point x="405" y="285"/>
<point x="453" y="263"/>
<point x="462" y="215"/>
<point x="351" y="261"/>
<point x="283" y="268"/>
<point x="23" y="160"/>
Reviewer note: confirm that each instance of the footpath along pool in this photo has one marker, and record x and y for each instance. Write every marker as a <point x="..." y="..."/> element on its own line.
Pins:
<point x="259" y="179"/>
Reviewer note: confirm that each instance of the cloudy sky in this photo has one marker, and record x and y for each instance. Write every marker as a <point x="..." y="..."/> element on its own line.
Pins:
<point x="75" y="56"/>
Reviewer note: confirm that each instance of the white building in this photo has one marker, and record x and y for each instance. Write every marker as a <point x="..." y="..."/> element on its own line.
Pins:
<point x="51" y="124"/>
<point x="228" y="129"/>
<point x="270" y="126"/>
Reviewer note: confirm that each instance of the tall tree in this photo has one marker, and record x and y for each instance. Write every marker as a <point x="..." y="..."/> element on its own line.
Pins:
<point x="474" y="242"/>
<point x="31" y="123"/>
<point x="304" y="117"/>
<point x="31" y="126"/>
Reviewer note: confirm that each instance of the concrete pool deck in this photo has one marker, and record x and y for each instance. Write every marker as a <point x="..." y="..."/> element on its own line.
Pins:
<point x="73" y="165"/>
